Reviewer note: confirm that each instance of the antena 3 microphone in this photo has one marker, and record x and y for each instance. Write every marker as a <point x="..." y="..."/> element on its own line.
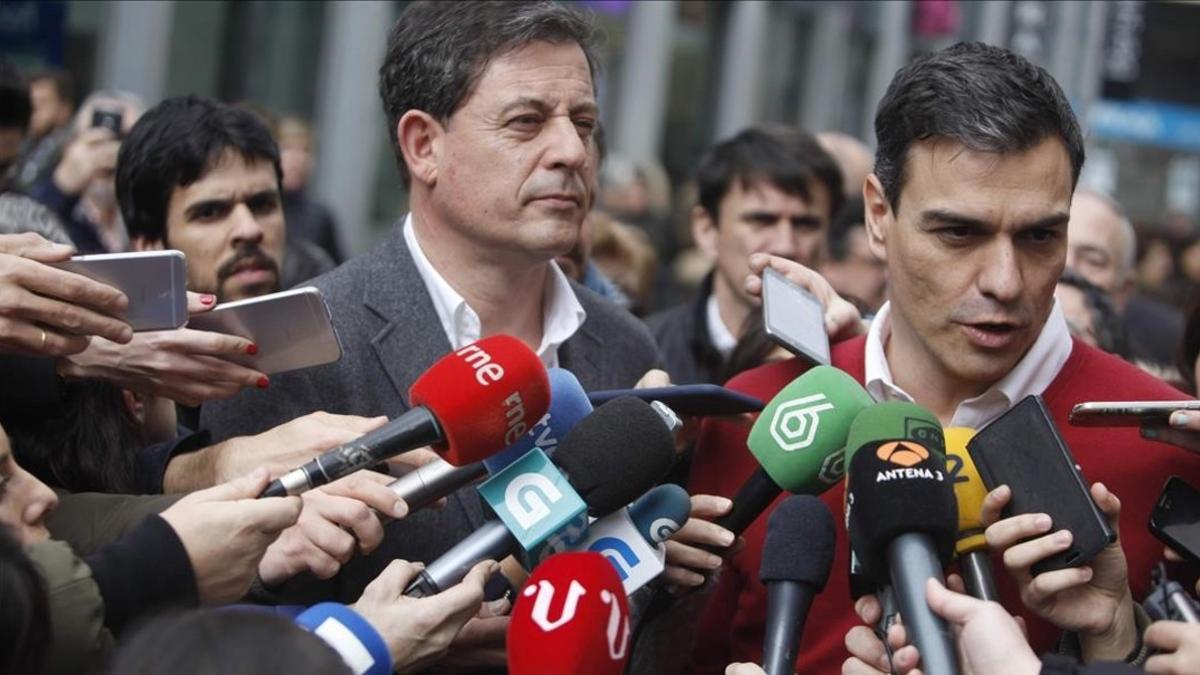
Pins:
<point x="609" y="459"/>
<point x="571" y="618"/>
<point x="798" y="441"/>
<point x="973" y="559"/>
<point x="902" y="519"/>
<point x="469" y="403"/>
<point x="568" y="405"/>
<point x="797" y="555"/>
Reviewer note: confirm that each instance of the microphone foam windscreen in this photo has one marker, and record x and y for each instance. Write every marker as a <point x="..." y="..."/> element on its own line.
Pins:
<point x="896" y="487"/>
<point x="799" y="543"/>
<point x="969" y="490"/>
<point x="616" y="454"/>
<point x="896" y="420"/>
<point x="661" y="512"/>
<point x="799" y="436"/>
<point x="568" y="405"/>
<point x="571" y="618"/>
<point x="485" y="396"/>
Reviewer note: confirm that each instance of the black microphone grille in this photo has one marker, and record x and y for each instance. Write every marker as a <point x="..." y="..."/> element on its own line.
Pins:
<point x="800" y="540"/>
<point x="616" y="454"/>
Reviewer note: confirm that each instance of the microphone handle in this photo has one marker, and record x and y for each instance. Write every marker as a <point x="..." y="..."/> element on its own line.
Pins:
<point x="1181" y="603"/>
<point x="751" y="500"/>
<point x="787" y="607"/>
<point x="427" y="484"/>
<point x="415" y="428"/>
<point x="976" y="568"/>
<point x="493" y="541"/>
<point x="913" y="560"/>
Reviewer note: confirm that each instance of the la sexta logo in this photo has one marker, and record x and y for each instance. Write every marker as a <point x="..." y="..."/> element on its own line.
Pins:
<point x="617" y="631"/>
<point x="794" y="424"/>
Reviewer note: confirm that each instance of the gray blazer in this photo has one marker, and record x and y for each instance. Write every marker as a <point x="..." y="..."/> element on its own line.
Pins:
<point x="391" y="334"/>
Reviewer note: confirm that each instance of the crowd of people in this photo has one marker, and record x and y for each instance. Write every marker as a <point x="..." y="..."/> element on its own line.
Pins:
<point x="960" y="267"/>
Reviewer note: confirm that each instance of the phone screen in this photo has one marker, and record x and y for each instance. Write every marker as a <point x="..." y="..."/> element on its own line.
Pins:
<point x="1176" y="518"/>
<point x="794" y="318"/>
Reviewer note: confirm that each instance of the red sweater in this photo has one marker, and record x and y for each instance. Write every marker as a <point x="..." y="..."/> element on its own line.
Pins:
<point x="731" y="628"/>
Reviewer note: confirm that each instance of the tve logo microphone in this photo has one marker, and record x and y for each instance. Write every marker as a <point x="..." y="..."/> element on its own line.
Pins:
<point x="535" y="502"/>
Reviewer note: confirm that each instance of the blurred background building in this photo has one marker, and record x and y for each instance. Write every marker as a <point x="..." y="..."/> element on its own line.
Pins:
<point x="677" y="75"/>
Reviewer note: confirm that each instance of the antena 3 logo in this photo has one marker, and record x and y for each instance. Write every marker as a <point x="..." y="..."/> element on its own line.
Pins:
<point x="794" y="425"/>
<point x="906" y="454"/>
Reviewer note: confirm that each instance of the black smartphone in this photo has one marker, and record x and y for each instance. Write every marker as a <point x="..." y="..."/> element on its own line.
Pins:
<point x="1023" y="450"/>
<point x="693" y="400"/>
<point x="107" y="119"/>
<point x="1176" y="518"/>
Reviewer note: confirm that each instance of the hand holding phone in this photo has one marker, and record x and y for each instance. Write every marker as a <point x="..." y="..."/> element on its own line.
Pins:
<point x="1023" y="450"/>
<point x="794" y="318"/>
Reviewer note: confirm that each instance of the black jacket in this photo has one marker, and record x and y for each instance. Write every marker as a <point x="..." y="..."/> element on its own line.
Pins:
<point x="684" y="342"/>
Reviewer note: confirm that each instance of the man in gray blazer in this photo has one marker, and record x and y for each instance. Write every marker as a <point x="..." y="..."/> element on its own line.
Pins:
<point x="491" y="111"/>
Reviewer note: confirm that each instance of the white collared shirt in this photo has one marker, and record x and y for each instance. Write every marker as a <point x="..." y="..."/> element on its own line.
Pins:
<point x="723" y="339"/>
<point x="1032" y="374"/>
<point x="562" y="315"/>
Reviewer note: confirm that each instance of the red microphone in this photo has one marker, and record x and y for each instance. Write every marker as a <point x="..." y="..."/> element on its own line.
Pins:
<point x="470" y="404"/>
<point x="571" y="618"/>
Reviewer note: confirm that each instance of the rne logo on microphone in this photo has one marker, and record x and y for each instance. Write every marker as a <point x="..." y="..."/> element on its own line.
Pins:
<point x="904" y="453"/>
<point x="794" y="424"/>
<point x="486" y="370"/>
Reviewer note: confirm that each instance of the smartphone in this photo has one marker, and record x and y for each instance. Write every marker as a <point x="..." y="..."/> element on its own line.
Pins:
<point x="794" y="318"/>
<point x="108" y="119"/>
<point x="1023" y="450"/>
<point x="292" y="329"/>
<point x="1127" y="413"/>
<point x="693" y="400"/>
<point x="154" y="281"/>
<point x="1176" y="518"/>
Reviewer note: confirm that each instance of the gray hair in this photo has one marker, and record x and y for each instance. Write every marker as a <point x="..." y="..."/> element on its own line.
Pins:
<point x="1128" y="257"/>
<point x="437" y="51"/>
<point x="20" y="214"/>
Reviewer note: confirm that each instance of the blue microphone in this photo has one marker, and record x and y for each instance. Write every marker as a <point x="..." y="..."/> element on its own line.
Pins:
<point x="568" y="405"/>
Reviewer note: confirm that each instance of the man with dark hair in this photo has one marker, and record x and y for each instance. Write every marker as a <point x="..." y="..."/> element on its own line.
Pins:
<point x="978" y="157"/>
<point x="203" y="177"/>
<point x="491" y="110"/>
<point x="766" y="190"/>
<point x="52" y="94"/>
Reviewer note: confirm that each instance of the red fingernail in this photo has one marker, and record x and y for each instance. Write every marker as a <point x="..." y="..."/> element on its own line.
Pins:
<point x="208" y="299"/>
<point x="252" y="349"/>
<point x="263" y="383"/>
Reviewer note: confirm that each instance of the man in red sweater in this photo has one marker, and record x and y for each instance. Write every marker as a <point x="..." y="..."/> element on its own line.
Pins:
<point x="978" y="156"/>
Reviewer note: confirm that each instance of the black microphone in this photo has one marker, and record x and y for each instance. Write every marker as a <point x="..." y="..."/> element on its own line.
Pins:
<point x="797" y="555"/>
<point x="613" y="456"/>
<point x="902" y="519"/>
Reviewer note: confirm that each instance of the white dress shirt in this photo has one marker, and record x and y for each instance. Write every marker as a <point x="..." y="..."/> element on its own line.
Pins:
<point x="562" y="314"/>
<point x="722" y="338"/>
<point x="1032" y="374"/>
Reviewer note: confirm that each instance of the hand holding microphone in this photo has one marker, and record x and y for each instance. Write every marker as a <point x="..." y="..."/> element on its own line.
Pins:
<point x="470" y="403"/>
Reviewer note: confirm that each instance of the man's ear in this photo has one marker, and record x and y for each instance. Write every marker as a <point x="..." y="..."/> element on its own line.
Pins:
<point x="420" y="138"/>
<point x="142" y="243"/>
<point x="134" y="406"/>
<point x="877" y="216"/>
<point x="704" y="232"/>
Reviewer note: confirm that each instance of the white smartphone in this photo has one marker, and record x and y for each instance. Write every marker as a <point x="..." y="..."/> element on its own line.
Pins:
<point x="794" y="318"/>
<point x="292" y="329"/>
<point x="154" y="281"/>
<point x="1127" y="413"/>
